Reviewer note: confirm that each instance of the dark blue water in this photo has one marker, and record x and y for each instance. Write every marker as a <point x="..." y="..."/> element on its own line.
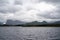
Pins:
<point x="29" y="33"/>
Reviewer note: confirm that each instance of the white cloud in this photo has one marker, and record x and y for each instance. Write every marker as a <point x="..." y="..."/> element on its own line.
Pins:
<point x="28" y="10"/>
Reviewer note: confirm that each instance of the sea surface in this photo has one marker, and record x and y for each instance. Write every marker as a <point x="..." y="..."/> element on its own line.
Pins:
<point x="29" y="33"/>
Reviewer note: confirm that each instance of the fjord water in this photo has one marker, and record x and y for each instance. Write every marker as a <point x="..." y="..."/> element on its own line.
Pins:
<point x="29" y="33"/>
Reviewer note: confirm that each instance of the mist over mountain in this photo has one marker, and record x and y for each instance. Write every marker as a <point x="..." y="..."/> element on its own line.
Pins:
<point x="17" y="22"/>
<point x="1" y="23"/>
<point x="57" y="22"/>
<point x="14" y="22"/>
<point x="36" y="23"/>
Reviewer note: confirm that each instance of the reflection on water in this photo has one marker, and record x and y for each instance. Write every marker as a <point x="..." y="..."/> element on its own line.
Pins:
<point x="29" y="33"/>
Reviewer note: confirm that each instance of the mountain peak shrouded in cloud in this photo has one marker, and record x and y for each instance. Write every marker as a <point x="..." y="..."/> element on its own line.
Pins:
<point x="14" y="22"/>
<point x="30" y="10"/>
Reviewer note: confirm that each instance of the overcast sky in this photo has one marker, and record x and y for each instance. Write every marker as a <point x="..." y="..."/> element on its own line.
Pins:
<point x="30" y="10"/>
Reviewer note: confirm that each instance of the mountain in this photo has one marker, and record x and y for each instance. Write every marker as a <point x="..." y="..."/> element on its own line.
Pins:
<point x="43" y="23"/>
<point x="1" y="23"/>
<point x="36" y="23"/>
<point x="57" y="22"/>
<point x="14" y="22"/>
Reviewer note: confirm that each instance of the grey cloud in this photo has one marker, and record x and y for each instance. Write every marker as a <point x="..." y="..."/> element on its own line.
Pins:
<point x="58" y="11"/>
<point x="3" y="9"/>
<point x="53" y="1"/>
<point x="18" y="2"/>
<point x="55" y="13"/>
<point x="17" y="5"/>
<point x="8" y="9"/>
<point x="49" y="1"/>
<point x="12" y="10"/>
<point x="50" y="15"/>
<point x="3" y="2"/>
